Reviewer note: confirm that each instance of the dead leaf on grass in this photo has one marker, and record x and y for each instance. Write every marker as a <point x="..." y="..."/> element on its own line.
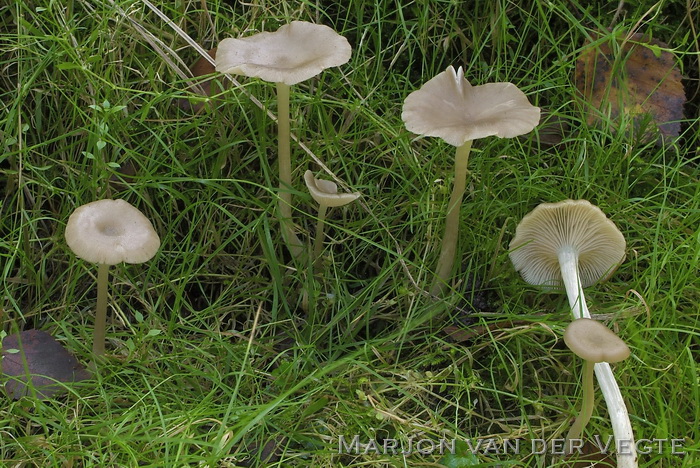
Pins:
<point x="590" y="455"/>
<point x="201" y="67"/>
<point x="33" y="359"/>
<point x="267" y="454"/>
<point x="552" y="129"/>
<point x="632" y="75"/>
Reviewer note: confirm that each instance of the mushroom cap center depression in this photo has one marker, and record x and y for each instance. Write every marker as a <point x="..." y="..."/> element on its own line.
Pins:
<point x="110" y="229"/>
<point x="111" y="232"/>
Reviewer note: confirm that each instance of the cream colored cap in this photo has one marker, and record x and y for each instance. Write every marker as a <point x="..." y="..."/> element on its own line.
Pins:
<point x="575" y="224"/>
<point x="295" y="52"/>
<point x="326" y="193"/>
<point x="447" y="106"/>
<point x="111" y="232"/>
<point x="594" y="342"/>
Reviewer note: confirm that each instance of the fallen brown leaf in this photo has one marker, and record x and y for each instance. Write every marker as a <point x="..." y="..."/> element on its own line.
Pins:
<point x="552" y="129"/>
<point x="590" y="456"/>
<point x="201" y="67"/>
<point x="631" y="75"/>
<point x="264" y="455"/>
<point x="33" y="362"/>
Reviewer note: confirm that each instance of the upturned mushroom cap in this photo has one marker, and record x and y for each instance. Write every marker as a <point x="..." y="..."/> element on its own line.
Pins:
<point x="111" y="232"/>
<point x="326" y="193"/>
<point x="574" y="224"/>
<point x="447" y="106"/>
<point x="295" y="52"/>
<point x="594" y="342"/>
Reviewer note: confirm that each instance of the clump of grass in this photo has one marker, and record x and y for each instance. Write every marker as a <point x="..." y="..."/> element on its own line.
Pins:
<point x="213" y="359"/>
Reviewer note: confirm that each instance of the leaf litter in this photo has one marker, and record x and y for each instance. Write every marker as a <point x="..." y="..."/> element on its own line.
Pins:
<point x="632" y="75"/>
<point x="33" y="362"/>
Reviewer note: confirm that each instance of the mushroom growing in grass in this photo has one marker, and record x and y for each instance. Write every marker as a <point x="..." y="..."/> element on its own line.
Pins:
<point x="573" y="243"/>
<point x="570" y="242"/>
<point x="294" y="53"/>
<point x="447" y="106"/>
<point x="594" y="343"/>
<point x="326" y="195"/>
<point x="108" y="232"/>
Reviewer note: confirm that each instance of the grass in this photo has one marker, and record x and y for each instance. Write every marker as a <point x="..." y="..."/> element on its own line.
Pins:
<point x="212" y="360"/>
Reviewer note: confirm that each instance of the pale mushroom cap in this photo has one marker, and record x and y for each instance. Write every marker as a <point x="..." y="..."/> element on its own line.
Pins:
<point x="594" y="342"/>
<point x="447" y="106"/>
<point x="575" y="224"/>
<point x="111" y="232"/>
<point x="326" y="193"/>
<point x="295" y="52"/>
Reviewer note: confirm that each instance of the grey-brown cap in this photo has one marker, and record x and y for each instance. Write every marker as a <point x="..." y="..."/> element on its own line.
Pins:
<point x="572" y="224"/>
<point x="447" y="106"/>
<point x="594" y="342"/>
<point x="295" y="52"/>
<point x="325" y="192"/>
<point x="111" y="232"/>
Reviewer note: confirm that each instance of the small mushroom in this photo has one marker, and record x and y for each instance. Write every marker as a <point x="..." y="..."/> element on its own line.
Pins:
<point x="570" y="242"/>
<point x="595" y="343"/>
<point x="326" y="195"/>
<point x="295" y="52"/>
<point x="447" y="106"/>
<point x="573" y="243"/>
<point x="108" y="232"/>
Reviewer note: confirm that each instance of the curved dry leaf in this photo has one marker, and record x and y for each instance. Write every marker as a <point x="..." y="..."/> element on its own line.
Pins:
<point x="635" y="76"/>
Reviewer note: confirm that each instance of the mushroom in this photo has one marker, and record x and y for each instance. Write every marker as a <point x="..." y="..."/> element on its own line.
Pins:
<point x="571" y="241"/>
<point x="326" y="195"/>
<point x="294" y="53"/>
<point x="595" y="343"/>
<point x="447" y="106"/>
<point x="574" y="243"/>
<point x="108" y="232"/>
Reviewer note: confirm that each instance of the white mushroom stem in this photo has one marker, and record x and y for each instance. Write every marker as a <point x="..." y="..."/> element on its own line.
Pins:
<point x="449" y="239"/>
<point x="98" y="336"/>
<point x="568" y="262"/>
<point x="318" y="240"/>
<point x="285" y="172"/>
<point x="619" y="418"/>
